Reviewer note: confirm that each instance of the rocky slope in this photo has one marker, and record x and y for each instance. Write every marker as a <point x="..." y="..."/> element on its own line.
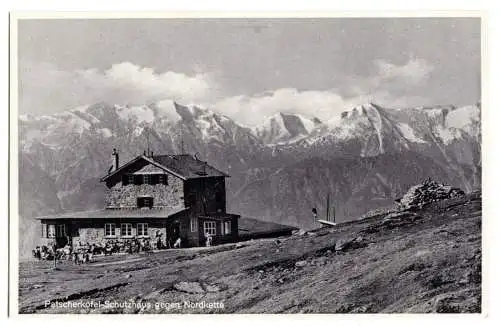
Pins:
<point x="427" y="260"/>
<point x="355" y="185"/>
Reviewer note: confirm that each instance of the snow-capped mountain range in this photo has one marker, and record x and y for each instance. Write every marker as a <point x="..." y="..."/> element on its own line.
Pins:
<point x="404" y="127"/>
<point x="71" y="150"/>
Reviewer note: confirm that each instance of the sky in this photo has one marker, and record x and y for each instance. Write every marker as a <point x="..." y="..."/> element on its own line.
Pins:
<point x="249" y="69"/>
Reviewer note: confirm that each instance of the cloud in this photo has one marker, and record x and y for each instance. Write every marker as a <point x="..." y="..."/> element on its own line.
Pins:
<point x="400" y="79"/>
<point x="414" y="71"/>
<point x="390" y="85"/>
<point x="253" y="109"/>
<point x="48" y="89"/>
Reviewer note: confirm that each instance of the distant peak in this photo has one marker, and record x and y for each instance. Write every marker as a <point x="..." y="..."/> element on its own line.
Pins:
<point x="361" y="110"/>
<point x="368" y="105"/>
<point x="285" y="115"/>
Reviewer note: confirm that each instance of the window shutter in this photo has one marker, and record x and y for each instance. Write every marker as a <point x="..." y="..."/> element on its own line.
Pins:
<point x="154" y="179"/>
<point x="137" y="179"/>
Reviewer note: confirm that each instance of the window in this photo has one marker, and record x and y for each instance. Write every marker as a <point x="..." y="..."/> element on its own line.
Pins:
<point x="210" y="227"/>
<point x="163" y="179"/>
<point x="142" y="229"/>
<point x="44" y="230"/>
<point x="227" y="227"/>
<point x="127" y="179"/>
<point x="145" y="202"/>
<point x="126" y="229"/>
<point x="219" y="197"/>
<point x="194" y="224"/>
<point x="109" y="230"/>
<point x="60" y="230"/>
<point x="51" y="231"/>
<point x="138" y="179"/>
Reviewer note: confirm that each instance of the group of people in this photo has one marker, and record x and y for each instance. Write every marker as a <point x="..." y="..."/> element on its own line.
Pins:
<point x="83" y="253"/>
<point x="79" y="255"/>
<point x="44" y="253"/>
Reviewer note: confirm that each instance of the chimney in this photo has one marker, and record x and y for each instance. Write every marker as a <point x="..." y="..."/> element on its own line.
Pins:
<point x="117" y="159"/>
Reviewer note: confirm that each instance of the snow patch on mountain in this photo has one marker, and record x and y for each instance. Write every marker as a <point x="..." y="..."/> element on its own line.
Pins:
<point x="285" y="128"/>
<point x="105" y="132"/>
<point x="69" y="122"/>
<point x="309" y="124"/>
<point x="464" y="118"/>
<point x="137" y="131"/>
<point x="409" y="133"/>
<point x="460" y="122"/>
<point x="136" y="113"/>
<point x="167" y="109"/>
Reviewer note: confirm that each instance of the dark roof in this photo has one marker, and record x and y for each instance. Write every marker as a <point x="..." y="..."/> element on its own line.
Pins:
<point x="118" y="213"/>
<point x="219" y="216"/>
<point x="184" y="166"/>
<point x="254" y="228"/>
<point x="188" y="166"/>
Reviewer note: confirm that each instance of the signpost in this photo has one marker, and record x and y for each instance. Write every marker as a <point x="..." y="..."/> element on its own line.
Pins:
<point x="327" y="221"/>
<point x="55" y="255"/>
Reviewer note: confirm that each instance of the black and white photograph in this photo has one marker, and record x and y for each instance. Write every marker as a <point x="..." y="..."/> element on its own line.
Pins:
<point x="248" y="164"/>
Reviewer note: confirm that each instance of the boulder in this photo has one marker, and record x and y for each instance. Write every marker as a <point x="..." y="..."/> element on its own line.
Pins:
<point x="301" y="263"/>
<point x="340" y="245"/>
<point x="427" y="192"/>
<point x="189" y="287"/>
<point x="355" y="243"/>
<point x="212" y="288"/>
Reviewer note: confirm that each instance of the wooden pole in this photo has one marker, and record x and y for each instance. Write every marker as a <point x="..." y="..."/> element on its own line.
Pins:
<point x="328" y="207"/>
<point x="54" y="251"/>
<point x="147" y="135"/>
<point x="182" y="141"/>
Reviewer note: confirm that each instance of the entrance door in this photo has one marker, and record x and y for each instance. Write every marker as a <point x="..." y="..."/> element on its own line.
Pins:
<point x="61" y="235"/>
<point x="61" y="242"/>
<point x="173" y="232"/>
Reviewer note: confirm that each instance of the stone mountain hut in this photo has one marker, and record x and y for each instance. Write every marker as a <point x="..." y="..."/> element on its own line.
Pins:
<point x="170" y="196"/>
